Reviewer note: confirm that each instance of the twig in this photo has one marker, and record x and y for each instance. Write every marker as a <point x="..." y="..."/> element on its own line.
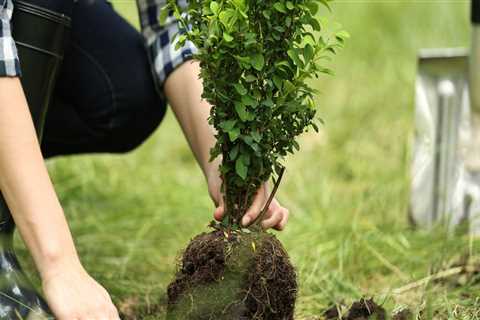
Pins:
<point x="437" y="276"/>
<point x="259" y="219"/>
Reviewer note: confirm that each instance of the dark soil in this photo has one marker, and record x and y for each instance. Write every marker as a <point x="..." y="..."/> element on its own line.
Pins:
<point x="404" y="314"/>
<point x="364" y="309"/>
<point x="235" y="276"/>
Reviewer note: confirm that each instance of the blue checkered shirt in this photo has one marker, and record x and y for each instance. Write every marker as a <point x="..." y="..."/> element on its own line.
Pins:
<point x="158" y="39"/>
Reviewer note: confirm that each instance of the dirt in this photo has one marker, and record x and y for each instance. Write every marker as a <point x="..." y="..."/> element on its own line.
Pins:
<point x="363" y="309"/>
<point x="234" y="276"/>
<point x="404" y="314"/>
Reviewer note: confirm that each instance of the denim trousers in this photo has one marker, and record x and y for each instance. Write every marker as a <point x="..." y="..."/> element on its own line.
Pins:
<point x="105" y="99"/>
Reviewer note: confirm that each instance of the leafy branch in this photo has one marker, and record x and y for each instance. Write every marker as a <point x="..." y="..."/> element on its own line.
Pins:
<point x="256" y="57"/>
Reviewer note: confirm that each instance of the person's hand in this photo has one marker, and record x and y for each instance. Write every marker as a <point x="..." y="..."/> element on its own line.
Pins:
<point x="73" y="295"/>
<point x="276" y="216"/>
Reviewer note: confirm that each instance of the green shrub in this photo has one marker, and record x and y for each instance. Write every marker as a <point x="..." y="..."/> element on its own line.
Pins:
<point x="256" y="58"/>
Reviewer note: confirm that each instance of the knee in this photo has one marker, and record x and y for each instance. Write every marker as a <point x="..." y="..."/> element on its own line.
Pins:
<point x="134" y="127"/>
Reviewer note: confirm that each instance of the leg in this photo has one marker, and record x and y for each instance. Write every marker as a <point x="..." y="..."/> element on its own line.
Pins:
<point x="105" y="99"/>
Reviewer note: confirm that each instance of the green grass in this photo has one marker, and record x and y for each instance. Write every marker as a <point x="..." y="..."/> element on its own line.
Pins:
<point x="347" y="189"/>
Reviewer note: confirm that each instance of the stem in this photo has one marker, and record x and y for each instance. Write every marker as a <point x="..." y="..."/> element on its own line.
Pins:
<point x="259" y="219"/>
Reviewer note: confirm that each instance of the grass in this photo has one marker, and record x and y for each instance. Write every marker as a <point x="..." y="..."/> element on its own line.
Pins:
<point x="347" y="190"/>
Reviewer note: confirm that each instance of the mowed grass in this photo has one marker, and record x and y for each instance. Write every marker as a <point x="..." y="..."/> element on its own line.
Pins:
<point x="347" y="189"/>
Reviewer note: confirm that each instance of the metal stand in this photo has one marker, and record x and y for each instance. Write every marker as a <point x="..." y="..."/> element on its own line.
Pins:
<point x="446" y="165"/>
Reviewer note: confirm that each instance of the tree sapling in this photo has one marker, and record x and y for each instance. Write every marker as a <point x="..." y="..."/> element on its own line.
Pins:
<point x="256" y="57"/>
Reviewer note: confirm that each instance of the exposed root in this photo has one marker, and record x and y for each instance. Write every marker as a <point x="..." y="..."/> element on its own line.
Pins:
<point x="244" y="276"/>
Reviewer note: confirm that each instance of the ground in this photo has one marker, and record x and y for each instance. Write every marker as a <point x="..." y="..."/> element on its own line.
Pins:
<point x="347" y="189"/>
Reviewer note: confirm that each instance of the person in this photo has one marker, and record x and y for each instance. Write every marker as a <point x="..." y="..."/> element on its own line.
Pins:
<point x="107" y="99"/>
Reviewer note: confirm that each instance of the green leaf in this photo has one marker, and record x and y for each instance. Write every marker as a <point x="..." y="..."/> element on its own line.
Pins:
<point x="288" y="22"/>
<point x="233" y="134"/>
<point x="290" y="5"/>
<point x="313" y="7"/>
<point x="342" y="36"/>
<point x="296" y="145"/>
<point x="250" y="78"/>
<point x="293" y="54"/>
<point x="215" y="7"/>
<point x="227" y="37"/>
<point x="325" y="3"/>
<point x="241" y="167"/>
<point x="289" y="87"/>
<point x="240" y="89"/>
<point x="284" y="65"/>
<point x="181" y="41"/>
<point x="227" y="18"/>
<point x="315" y="24"/>
<point x="280" y="7"/>
<point x="268" y="102"/>
<point x="240" y="4"/>
<point x="234" y="152"/>
<point x="278" y="82"/>
<point x="256" y="136"/>
<point x="228" y="125"/>
<point x="258" y="61"/>
<point x="244" y="60"/>
<point x="308" y="53"/>
<point x="248" y="100"/>
<point x="162" y="18"/>
<point x="242" y="112"/>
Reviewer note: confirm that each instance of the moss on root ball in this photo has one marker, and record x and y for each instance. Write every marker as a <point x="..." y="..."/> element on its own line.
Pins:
<point x="233" y="276"/>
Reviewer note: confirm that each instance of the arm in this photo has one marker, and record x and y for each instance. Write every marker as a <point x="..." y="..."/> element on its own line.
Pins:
<point x="183" y="89"/>
<point x="24" y="182"/>
<point x="26" y="186"/>
<point x="29" y="193"/>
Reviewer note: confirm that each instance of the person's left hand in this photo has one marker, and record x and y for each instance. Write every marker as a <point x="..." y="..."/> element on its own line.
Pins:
<point x="276" y="216"/>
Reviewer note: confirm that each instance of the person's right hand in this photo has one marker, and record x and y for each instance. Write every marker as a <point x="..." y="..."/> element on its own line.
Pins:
<point x="73" y="295"/>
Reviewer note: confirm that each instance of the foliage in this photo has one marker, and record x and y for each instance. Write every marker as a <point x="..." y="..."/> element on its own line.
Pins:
<point x="255" y="59"/>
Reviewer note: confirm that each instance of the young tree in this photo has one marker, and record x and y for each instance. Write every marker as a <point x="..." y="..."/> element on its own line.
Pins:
<point x="256" y="57"/>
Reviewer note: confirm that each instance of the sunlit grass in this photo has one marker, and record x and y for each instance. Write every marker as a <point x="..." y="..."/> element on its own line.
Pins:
<point x="347" y="189"/>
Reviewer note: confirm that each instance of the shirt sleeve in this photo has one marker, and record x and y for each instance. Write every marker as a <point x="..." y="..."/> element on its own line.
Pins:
<point x="9" y="63"/>
<point x="164" y="57"/>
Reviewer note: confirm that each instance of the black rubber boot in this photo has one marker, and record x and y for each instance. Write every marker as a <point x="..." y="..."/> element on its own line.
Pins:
<point x="40" y="33"/>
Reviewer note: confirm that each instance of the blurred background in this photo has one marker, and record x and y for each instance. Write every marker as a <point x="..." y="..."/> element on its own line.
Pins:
<point x="347" y="188"/>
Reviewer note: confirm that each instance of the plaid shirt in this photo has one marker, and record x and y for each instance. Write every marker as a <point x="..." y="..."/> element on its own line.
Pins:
<point x="158" y="39"/>
<point x="9" y="65"/>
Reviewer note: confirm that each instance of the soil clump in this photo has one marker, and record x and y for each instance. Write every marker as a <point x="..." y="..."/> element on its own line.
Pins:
<point x="239" y="275"/>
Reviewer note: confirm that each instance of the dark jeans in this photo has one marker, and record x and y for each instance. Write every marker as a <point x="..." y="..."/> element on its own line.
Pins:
<point x="105" y="98"/>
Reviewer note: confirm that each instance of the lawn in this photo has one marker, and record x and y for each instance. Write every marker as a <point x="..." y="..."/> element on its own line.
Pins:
<point x="347" y="189"/>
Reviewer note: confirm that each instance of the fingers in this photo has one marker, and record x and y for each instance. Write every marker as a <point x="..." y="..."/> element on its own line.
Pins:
<point x="257" y="205"/>
<point x="219" y="211"/>
<point x="277" y="219"/>
<point x="283" y="223"/>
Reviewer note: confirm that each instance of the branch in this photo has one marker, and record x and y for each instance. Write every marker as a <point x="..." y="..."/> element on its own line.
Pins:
<point x="437" y="276"/>
<point x="259" y="219"/>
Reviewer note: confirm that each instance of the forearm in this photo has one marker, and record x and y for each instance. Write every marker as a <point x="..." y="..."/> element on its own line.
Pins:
<point x="25" y="183"/>
<point x="183" y="90"/>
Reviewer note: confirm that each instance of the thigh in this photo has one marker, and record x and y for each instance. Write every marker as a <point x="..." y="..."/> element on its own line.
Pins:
<point x="105" y="99"/>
